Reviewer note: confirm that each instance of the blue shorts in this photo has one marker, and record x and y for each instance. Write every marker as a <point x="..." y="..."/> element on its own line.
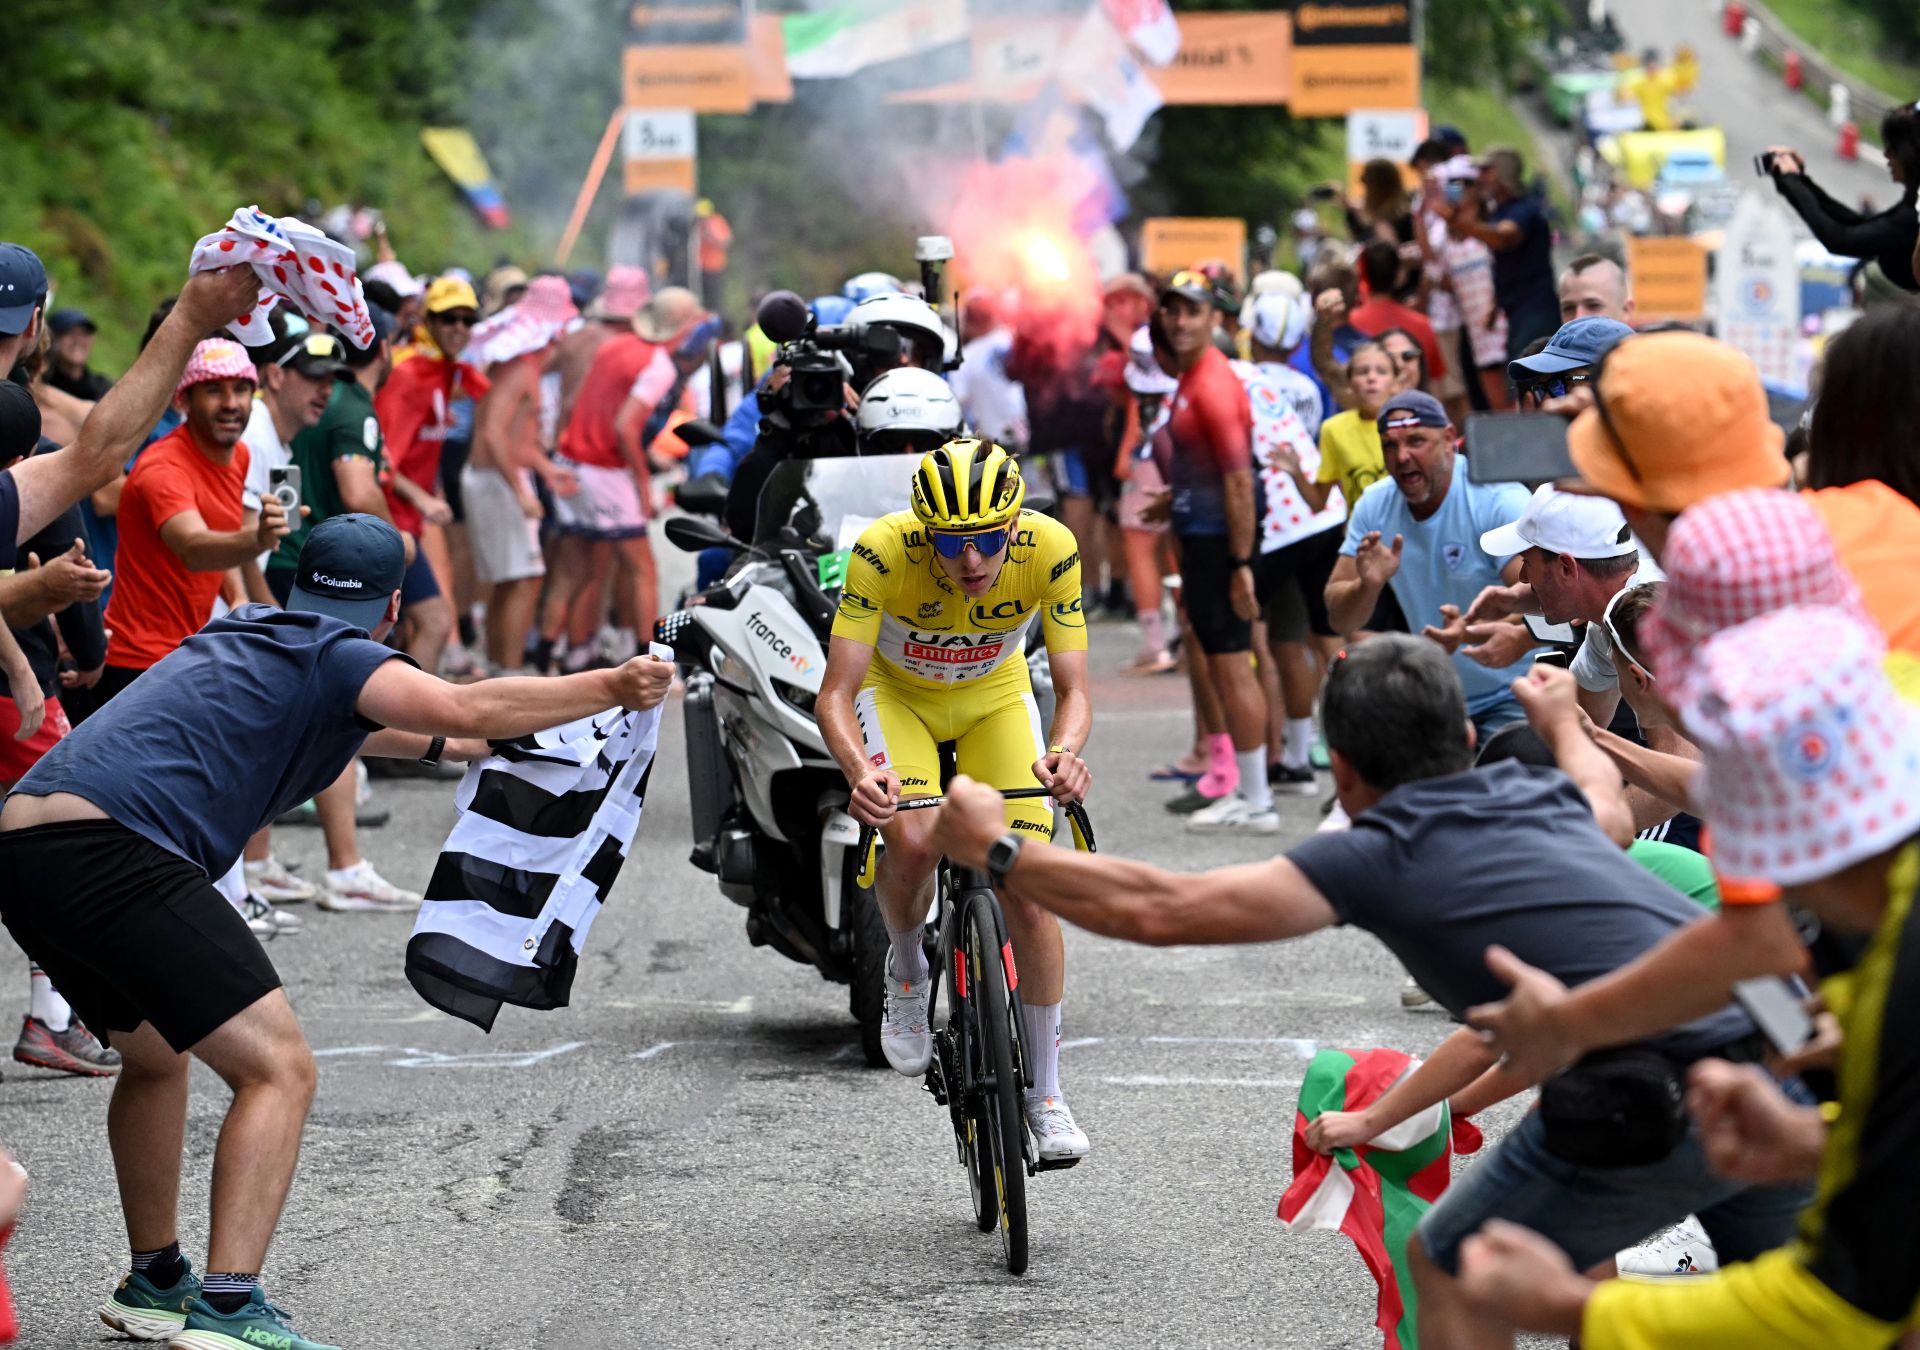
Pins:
<point x="420" y="584"/>
<point x="1069" y="469"/>
<point x="1501" y="713"/>
<point x="1592" y="1212"/>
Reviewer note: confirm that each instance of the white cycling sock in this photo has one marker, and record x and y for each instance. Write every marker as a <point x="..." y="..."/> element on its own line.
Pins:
<point x="1253" y="777"/>
<point x="909" y="956"/>
<point x="44" y="1001"/>
<point x="1298" y="746"/>
<point x="1040" y="1031"/>
<point x="1153" y="631"/>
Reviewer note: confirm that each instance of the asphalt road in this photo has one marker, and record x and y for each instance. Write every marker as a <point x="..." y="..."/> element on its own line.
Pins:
<point x="692" y="1154"/>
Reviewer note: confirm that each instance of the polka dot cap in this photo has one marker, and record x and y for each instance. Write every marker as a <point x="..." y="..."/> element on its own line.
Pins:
<point x="1733" y="558"/>
<point x="1812" y="760"/>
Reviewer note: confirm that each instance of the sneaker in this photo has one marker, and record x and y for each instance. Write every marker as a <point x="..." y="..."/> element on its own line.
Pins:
<point x="904" y="1036"/>
<point x="1150" y="663"/>
<point x="254" y="1325"/>
<point x="266" y="921"/>
<point x="1190" y="801"/>
<point x="1318" y="756"/>
<point x="73" y="1051"/>
<point x="1413" y="996"/>
<point x="1683" y="1249"/>
<point x="1056" y="1139"/>
<point x="1234" y="814"/>
<point x="1299" y="782"/>
<point x="141" y="1309"/>
<point x="365" y="888"/>
<point x="271" y="881"/>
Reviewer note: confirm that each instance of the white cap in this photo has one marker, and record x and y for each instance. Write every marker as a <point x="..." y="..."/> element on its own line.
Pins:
<point x="1564" y="522"/>
<point x="1461" y="168"/>
<point x="1144" y="375"/>
<point x="1280" y="321"/>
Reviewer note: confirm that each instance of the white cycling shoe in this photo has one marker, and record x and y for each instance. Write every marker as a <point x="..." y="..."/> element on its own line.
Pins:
<point x="1056" y="1139"/>
<point x="1683" y="1249"/>
<point x="904" y="1036"/>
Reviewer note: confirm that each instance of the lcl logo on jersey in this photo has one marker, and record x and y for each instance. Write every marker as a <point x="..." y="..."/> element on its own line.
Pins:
<point x="1001" y="612"/>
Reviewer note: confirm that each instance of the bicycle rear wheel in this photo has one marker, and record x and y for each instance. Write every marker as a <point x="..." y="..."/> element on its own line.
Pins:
<point x="1001" y="1112"/>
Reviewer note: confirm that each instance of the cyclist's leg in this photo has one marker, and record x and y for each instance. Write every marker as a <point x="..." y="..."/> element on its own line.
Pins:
<point x="1000" y="748"/>
<point x="891" y="730"/>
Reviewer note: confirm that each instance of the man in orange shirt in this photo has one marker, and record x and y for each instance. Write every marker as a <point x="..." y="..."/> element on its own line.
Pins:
<point x="182" y="522"/>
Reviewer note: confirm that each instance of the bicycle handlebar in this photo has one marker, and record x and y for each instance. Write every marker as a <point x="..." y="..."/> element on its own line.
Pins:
<point x="1078" y="822"/>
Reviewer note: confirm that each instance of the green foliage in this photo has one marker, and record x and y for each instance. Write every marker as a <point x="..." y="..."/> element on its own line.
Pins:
<point x="1483" y="42"/>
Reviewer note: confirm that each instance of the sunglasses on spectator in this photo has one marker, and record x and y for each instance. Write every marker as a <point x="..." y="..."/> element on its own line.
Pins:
<point x="1613" y="634"/>
<point x="320" y="346"/>
<point x="989" y="542"/>
<point x="463" y="318"/>
<point x="1537" y="392"/>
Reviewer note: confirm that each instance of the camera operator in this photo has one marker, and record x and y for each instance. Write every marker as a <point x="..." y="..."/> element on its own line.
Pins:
<point x="810" y="397"/>
<point x="1891" y="238"/>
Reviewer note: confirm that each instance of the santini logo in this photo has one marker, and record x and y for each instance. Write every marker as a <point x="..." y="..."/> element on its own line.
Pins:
<point x="337" y="583"/>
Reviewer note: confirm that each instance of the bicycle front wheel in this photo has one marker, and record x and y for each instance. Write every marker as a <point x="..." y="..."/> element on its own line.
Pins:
<point x="1002" y="1110"/>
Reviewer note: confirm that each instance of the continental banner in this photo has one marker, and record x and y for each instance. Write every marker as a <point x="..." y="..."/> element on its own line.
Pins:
<point x="1244" y="59"/>
<point x="1352" y="54"/>
<point x="1669" y="277"/>
<point x="1170" y="243"/>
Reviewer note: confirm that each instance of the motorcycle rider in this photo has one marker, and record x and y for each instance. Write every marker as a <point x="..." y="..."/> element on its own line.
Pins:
<point x="944" y="594"/>
<point x="902" y="331"/>
<point x="907" y="412"/>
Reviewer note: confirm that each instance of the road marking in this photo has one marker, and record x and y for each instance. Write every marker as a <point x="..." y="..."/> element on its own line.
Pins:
<point x="349" y="1050"/>
<point x="1084" y="1040"/>
<point x="412" y="1057"/>
<point x="1183" y="1080"/>
<point x="653" y="1051"/>
<point x="1304" y="1049"/>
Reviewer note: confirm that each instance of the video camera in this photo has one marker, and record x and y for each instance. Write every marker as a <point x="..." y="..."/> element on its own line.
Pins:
<point x="822" y="357"/>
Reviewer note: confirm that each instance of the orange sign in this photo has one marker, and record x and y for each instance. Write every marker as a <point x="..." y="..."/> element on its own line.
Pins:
<point x="1169" y="243"/>
<point x="659" y="175"/>
<point x="1668" y="276"/>
<point x="704" y="77"/>
<point x="1333" y="81"/>
<point x="767" y="60"/>
<point x="1230" y="59"/>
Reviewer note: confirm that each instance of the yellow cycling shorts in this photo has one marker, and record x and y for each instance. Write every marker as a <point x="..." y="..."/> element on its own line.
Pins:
<point x="994" y="724"/>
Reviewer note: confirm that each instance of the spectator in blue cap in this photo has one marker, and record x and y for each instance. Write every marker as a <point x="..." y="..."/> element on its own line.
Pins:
<point x="1566" y="364"/>
<point x="23" y="291"/>
<point x="67" y="370"/>
<point x="1418" y="532"/>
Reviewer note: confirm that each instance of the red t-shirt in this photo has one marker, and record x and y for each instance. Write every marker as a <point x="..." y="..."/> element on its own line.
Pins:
<point x="1212" y="433"/>
<point x="157" y="603"/>
<point x="414" y="419"/>
<point x="589" y="436"/>
<point x="1382" y="312"/>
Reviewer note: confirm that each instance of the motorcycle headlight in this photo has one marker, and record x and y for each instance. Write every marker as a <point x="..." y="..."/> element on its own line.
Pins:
<point x="802" y="700"/>
<point x="731" y="670"/>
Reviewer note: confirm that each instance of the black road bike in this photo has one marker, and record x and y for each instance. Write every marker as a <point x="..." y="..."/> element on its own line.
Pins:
<point x="980" y="1071"/>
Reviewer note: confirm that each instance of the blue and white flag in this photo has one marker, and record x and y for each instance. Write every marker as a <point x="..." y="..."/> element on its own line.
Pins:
<point x="545" y="823"/>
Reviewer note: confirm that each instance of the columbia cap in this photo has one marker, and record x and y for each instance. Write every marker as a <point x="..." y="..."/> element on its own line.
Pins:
<point x="23" y="287"/>
<point x="1411" y="408"/>
<point x="1564" y="522"/>
<point x="1580" y="343"/>
<point x="349" y="569"/>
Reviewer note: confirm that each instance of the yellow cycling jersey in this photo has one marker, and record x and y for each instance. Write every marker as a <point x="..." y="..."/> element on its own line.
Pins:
<point x="928" y="632"/>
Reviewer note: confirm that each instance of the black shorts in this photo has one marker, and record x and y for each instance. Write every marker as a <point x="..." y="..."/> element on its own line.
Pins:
<point x="1300" y="569"/>
<point x="128" y="932"/>
<point x="453" y="458"/>
<point x="1206" y="592"/>
<point x="1387" y="616"/>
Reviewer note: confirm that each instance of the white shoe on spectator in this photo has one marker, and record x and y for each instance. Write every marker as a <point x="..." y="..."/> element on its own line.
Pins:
<point x="1683" y="1249"/>
<point x="266" y="921"/>
<point x="1336" y="821"/>
<point x="360" y="887"/>
<point x="1234" y="814"/>
<point x="271" y="881"/>
<point x="1413" y="996"/>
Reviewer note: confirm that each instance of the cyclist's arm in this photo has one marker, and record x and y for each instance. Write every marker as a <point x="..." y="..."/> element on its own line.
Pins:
<point x="1073" y="700"/>
<point x="847" y="662"/>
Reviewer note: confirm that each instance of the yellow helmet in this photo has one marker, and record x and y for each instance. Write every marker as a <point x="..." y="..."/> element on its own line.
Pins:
<point x="968" y="484"/>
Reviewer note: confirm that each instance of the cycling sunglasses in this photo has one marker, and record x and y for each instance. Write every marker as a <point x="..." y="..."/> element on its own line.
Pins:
<point x="989" y="542"/>
<point x="320" y="346"/>
<point x="1536" y="392"/>
<point x="1620" y="647"/>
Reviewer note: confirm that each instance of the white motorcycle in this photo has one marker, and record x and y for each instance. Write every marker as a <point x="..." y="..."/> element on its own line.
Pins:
<point x="768" y="800"/>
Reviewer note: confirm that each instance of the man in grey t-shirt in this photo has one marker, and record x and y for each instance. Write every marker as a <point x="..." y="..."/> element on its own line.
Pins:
<point x="1443" y="865"/>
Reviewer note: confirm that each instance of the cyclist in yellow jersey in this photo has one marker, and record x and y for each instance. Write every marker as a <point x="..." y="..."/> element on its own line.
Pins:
<point x="930" y="646"/>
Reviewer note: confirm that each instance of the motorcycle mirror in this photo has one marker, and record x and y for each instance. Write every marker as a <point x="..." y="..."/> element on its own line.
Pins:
<point x="697" y="431"/>
<point x="703" y="496"/>
<point x="690" y="535"/>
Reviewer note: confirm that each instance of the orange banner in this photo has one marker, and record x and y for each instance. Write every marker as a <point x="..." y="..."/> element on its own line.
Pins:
<point x="1169" y="243"/>
<point x="705" y="78"/>
<point x="1333" y="81"/>
<point x="1243" y="59"/>
<point x="767" y="60"/>
<point x="1668" y="276"/>
<point x="659" y="175"/>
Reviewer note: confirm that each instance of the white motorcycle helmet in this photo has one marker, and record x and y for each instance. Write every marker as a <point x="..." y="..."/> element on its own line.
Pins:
<point x="869" y="284"/>
<point x="907" y="411"/>
<point x="913" y="319"/>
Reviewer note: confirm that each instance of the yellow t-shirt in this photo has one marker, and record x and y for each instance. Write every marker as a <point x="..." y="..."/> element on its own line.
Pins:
<point x="1350" y="455"/>
<point x="926" y="632"/>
